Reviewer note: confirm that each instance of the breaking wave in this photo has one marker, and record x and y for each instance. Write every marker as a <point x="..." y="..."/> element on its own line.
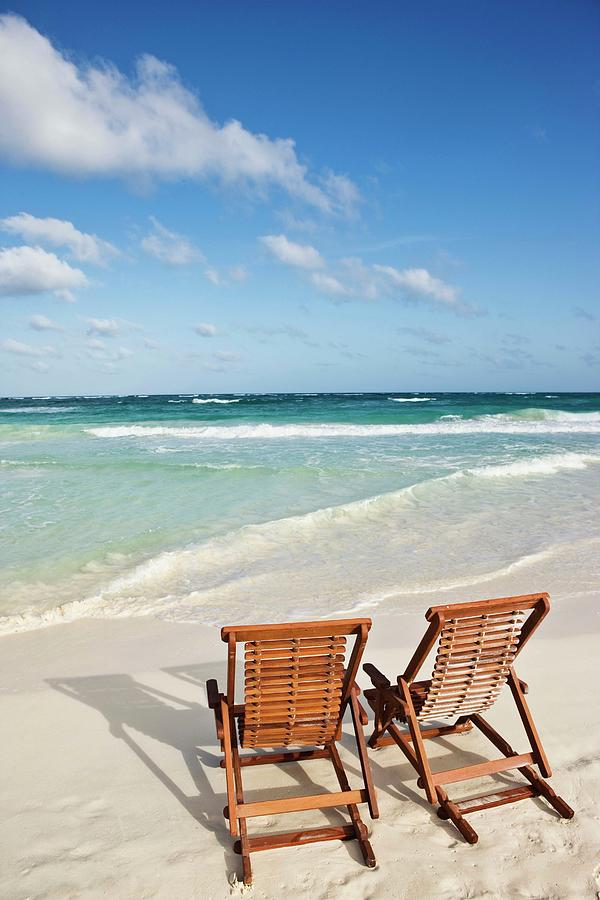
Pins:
<point x="527" y="421"/>
<point x="214" y="400"/>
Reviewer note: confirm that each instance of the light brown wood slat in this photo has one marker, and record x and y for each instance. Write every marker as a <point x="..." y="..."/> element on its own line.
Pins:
<point x="298" y="838"/>
<point x="299" y="804"/>
<point x="282" y="692"/>
<point x="299" y="653"/>
<point x="279" y="665"/>
<point x="472" y="664"/>
<point x="288" y="643"/>
<point x="291" y="715"/>
<point x="499" y="798"/>
<point x="293" y="690"/>
<point x="477" y="642"/>
<point x="307" y="675"/>
<point x="485" y="768"/>
<point x="244" y="633"/>
<point x="467" y="667"/>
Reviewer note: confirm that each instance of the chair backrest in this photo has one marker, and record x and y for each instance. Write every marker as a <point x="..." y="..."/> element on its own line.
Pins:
<point x="478" y="643"/>
<point x="297" y="679"/>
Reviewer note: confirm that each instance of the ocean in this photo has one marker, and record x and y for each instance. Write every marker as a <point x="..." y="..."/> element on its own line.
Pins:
<point x="217" y="509"/>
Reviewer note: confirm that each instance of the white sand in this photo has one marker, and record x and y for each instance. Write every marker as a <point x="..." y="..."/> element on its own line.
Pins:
<point x="111" y="785"/>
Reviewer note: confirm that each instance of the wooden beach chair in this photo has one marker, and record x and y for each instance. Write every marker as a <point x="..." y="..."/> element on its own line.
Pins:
<point x="299" y="680"/>
<point x="478" y="643"/>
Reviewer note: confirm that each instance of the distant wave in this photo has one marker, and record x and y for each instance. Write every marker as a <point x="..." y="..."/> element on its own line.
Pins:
<point x="532" y="421"/>
<point x="213" y="400"/>
<point x="410" y="399"/>
<point x="38" y="409"/>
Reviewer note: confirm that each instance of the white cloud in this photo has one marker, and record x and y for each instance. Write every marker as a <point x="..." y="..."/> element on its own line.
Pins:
<point x="85" y="119"/>
<point x="227" y="356"/>
<point x="21" y="349"/>
<point x="103" y="327"/>
<point x="31" y="270"/>
<point x="329" y="284"/>
<point x="292" y="254"/>
<point x="97" y="350"/>
<point x="43" y="323"/>
<point x="150" y="344"/>
<point x="234" y="273"/>
<point x="60" y="233"/>
<point x="170" y="247"/>
<point x="419" y="283"/>
<point x="205" y="329"/>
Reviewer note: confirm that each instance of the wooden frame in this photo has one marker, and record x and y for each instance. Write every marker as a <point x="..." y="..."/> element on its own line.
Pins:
<point x="298" y="685"/>
<point x="477" y="645"/>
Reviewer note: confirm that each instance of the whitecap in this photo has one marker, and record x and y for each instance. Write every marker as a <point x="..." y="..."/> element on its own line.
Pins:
<point x="213" y="400"/>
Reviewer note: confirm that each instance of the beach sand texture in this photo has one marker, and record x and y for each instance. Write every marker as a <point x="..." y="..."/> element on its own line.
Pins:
<point x="112" y="788"/>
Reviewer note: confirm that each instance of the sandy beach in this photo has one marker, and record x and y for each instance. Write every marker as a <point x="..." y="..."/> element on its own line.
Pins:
<point x="112" y="786"/>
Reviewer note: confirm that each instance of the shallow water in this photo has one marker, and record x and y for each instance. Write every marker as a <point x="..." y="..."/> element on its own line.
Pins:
<point x="210" y="509"/>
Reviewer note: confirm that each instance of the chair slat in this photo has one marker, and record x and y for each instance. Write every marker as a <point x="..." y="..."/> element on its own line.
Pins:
<point x="471" y="666"/>
<point x="293" y="690"/>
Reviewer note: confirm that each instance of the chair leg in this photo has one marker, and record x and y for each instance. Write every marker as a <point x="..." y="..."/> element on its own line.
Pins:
<point x="449" y="810"/>
<point x="360" y="830"/>
<point x="239" y="792"/>
<point x="529" y="725"/>
<point x="419" y="746"/>
<point x="357" y="721"/>
<point x="228" y="729"/>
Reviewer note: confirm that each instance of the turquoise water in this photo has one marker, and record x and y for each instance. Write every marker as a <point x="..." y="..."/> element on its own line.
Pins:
<point x="208" y="509"/>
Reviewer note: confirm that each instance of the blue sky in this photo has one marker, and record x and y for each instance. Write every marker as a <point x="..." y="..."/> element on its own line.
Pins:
<point x="271" y="197"/>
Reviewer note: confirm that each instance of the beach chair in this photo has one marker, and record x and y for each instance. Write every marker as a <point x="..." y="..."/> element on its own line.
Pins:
<point x="299" y="681"/>
<point x="478" y="643"/>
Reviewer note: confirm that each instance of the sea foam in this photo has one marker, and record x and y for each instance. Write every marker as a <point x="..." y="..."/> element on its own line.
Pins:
<point x="535" y="421"/>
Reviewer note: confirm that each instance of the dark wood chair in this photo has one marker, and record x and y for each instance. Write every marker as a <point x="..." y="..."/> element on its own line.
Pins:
<point x="477" y="646"/>
<point x="298" y="685"/>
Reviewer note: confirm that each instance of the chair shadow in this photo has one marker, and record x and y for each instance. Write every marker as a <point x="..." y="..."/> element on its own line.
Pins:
<point x="129" y="705"/>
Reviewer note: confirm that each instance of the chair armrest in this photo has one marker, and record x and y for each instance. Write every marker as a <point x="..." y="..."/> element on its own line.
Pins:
<point x="214" y="701"/>
<point x="524" y="686"/>
<point x="378" y="678"/>
<point x="212" y="693"/>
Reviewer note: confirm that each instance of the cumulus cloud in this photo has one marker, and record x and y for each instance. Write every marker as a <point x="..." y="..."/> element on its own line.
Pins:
<point x="103" y="327"/>
<point x="205" y="329"/>
<point x="169" y="246"/>
<point x="60" y="233"/>
<point x="43" y="323"/>
<point x="32" y="270"/>
<point x="292" y="254"/>
<point x="21" y="349"/>
<point x="421" y="285"/>
<point x="329" y="284"/>
<point x="84" y="119"/>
